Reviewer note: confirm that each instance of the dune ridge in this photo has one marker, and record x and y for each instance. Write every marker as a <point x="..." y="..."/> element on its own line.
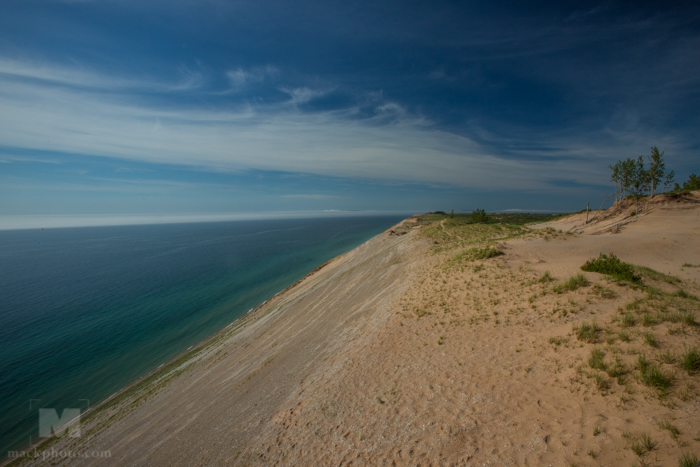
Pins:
<point x="410" y="350"/>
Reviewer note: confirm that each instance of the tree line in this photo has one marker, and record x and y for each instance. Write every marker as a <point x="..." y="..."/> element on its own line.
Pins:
<point x="632" y="179"/>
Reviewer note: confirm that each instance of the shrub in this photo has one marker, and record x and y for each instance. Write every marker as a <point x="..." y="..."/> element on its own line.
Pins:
<point x="612" y="266"/>
<point x="479" y="217"/>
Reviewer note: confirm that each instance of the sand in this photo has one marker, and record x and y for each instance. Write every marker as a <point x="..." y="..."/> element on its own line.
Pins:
<point x="403" y="352"/>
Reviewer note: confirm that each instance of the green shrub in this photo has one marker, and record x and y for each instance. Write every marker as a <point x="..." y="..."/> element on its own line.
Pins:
<point x="479" y="217"/>
<point x="612" y="266"/>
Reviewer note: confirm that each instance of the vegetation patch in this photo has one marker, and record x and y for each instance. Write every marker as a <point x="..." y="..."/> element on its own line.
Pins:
<point x="597" y="360"/>
<point x="545" y="278"/>
<point x="656" y="275"/>
<point x="671" y="428"/>
<point x="688" y="459"/>
<point x="474" y="254"/>
<point x="612" y="266"/>
<point x="690" y="360"/>
<point x="574" y="282"/>
<point x="642" y="445"/>
<point x="652" y="375"/>
<point x="587" y="332"/>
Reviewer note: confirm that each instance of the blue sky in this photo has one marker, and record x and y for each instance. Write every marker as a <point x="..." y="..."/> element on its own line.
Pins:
<point x="117" y="107"/>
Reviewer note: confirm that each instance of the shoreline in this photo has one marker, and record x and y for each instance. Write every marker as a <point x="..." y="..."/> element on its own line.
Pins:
<point x="183" y="357"/>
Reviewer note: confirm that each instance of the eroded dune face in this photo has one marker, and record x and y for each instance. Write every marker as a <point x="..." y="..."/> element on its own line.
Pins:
<point x="410" y="351"/>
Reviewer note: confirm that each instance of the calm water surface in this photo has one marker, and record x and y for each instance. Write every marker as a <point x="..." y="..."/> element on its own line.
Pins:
<point x="86" y="311"/>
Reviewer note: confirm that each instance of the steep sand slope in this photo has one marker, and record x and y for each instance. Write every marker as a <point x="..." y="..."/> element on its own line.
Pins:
<point x="223" y="397"/>
<point x="406" y="351"/>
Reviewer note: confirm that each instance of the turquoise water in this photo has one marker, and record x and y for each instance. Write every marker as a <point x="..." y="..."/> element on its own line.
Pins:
<point x="86" y="311"/>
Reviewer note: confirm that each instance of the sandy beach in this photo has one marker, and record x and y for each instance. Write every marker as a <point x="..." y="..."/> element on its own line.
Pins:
<point x="409" y="350"/>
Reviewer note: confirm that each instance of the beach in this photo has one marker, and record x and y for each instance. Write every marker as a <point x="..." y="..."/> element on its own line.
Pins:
<point x="412" y="349"/>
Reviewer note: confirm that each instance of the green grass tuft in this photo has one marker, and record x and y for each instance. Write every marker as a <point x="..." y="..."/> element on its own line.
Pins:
<point x="656" y="275"/>
<point x="628" y="320"/>
<point x="650" y="340"/>
<point x="546" y="277"/>
<point x="672" y="429"/>
<point x="688" y="459"/>
<point x="652" y="375"/>
<point x="587" y="332"/>
<point x="574" y="282"/>
<point x="690" y="360"/>
<point x="597" y="360"/>
<point x="612" y="266"/>
<point x="642" y="445"/>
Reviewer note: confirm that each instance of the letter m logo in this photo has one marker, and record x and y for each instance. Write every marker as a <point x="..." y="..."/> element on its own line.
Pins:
<point x="49" y="422"/>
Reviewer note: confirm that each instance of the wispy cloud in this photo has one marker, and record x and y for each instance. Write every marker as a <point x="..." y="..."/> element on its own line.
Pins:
<point x="240" y="78"/>
<point x="303" y="95"/>
<point x="309" y="196"/>
<point x="261" y="137"/>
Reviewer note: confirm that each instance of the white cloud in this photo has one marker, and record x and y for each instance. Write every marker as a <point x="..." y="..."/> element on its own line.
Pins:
<point x="302" y="95"/>
<point x="241" y="78"/>
<point x="85" y="77"/>
<point x="268" y="137"/>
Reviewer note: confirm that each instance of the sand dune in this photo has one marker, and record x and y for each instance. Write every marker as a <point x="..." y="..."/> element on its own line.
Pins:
<point x="405" y="351"/>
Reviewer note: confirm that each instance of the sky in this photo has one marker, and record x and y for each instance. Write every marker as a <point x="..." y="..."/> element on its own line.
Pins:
<point x="204" y="107"/>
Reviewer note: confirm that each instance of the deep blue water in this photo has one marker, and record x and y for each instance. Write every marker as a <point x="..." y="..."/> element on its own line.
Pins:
<point x="86" y="311"/>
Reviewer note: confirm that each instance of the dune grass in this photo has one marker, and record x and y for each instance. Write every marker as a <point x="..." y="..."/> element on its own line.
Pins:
<point x="573" y="283"/>
<point x="612" y="266"/>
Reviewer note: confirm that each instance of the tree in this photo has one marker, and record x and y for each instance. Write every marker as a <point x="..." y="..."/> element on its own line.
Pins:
<point x="452" y="214"/>
<point x="657" y="171"/>
<point x="628" y="172"/>
<point x="615" y="177"/>
<point x="692" y="184"/>
<point x="479" y="217"/>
